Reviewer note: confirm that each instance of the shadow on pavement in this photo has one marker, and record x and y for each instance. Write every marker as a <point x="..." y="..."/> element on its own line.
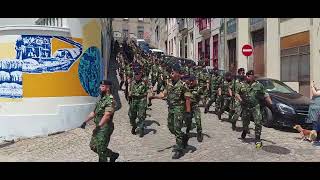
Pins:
<point x="7" y="143"/>
<point x="285" y="129"/>
<point x="190" y="149"/>
<point x="161" y="150"/>
<point x="192" y="134"/>
<point x="248" y="140"/>
<point x="275" y="149"/>
<point x="147" y="131"/>
<point x="150" y="122"/>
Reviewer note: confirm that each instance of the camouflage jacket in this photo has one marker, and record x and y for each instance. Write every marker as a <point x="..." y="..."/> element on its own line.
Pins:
<point x="177" y="93"/>
<point x="224" y="88"/>
<point x="252" y="94"/>
<point x="105" y="104"/>
<point x="215" y="82"/>
<point x="196" y="93"/>
<point x="128" y="71"/>
<point x="154" y="70"/>
<point x="138" y="89"/>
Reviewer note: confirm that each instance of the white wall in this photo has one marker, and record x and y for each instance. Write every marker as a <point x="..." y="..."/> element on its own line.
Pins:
<point x="294" y="25"/>
<point x="242" y="39"/>
<point x="17" y="21"/>
<point x="272" y="48"/>
<point x="315" y="52"/>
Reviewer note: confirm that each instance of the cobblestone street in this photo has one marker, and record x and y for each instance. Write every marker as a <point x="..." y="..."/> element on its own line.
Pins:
<point x="220" y="143"/>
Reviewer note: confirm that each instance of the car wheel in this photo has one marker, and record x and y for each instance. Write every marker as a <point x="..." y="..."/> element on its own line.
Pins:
<point x="267" y="118"/>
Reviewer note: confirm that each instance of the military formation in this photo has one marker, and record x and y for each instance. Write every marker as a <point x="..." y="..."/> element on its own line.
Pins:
<point x="185" y="86"/>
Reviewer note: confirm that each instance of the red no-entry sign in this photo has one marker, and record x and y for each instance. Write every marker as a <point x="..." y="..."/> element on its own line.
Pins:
<point x="247" y="50"/>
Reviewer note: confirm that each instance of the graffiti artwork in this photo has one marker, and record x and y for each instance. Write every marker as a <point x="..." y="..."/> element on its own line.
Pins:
<point x="10" y="78"/>
<point x="90" y="71"/>
<point x="36" y="53"/>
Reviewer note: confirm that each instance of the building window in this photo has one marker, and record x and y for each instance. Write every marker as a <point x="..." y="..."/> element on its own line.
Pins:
<point x="181" y="46"/>
<point x="231" y="26"/>
<point x="207" y="51"/>
<point x="125" y="33"/>
<point x="186" y="47"/>
<point x="200" y="50"/>
<point x="295" y="64"/>
<point x="140" y="32"/>
<point x="140" y="19"/>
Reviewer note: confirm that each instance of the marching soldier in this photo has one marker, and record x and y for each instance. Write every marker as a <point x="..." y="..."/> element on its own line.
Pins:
<point x="235" y="109"/>
<point x="224" y="95"/>
<point x="250" y="95"/>
<point x="138" y="102"/>
<point x="215" y="82"/>
<point x="103" y="119"/>
<point x="179" y="106"/>
<point x="196" y="92"/>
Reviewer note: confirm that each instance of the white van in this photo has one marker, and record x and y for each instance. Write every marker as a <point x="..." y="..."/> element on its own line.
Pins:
<point x="158" y="52"/>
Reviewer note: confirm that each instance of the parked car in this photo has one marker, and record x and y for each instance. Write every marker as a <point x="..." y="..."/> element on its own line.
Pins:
<point x="157" y="52"/>
<point x="290" y="107"/>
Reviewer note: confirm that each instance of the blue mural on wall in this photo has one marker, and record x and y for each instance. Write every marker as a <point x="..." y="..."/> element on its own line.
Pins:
<point x="10" y="78"/>
<point x="90" y="69"/>
<point x="35" y="52"/>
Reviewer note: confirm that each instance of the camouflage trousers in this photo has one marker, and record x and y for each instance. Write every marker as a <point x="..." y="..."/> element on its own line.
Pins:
<point x="100" y="141"/>
<point x="235" y="112"/>
<point x="160" y="85"/>
<point x="175" y="123"/>
<point x="196" y="114"/>
<point x="212" y="98"/>
<point x="223" y="103"/>
<point x="255" y="113"/>
<point x="137" y="109"/>
<point x="153" y="79"/>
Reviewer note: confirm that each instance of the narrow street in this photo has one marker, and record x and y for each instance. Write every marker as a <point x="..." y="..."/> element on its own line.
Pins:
<point x="220" y="143"/>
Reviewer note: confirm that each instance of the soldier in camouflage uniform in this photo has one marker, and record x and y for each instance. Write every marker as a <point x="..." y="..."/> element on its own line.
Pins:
<point x="178" y="99"/>
<point x="224" y="95"/>
<point x="161" y="77"/>
<point x="154" y="72"/>
<point x="103" y="117"/>
<point x="128" y="78"/>
<point x="215" y="82"/>
<point x="196" y="92"/>
<point x="235" y="109"/>
<point x="138" y="102"/>
<point x="250" y="96"/>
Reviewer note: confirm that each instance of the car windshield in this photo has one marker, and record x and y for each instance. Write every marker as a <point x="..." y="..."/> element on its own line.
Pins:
<point x="276" y="86"/>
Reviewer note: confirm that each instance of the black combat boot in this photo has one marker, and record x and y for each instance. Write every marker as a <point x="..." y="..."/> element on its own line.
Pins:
<point x="141" y="132"/>
<point x="206" y="109"/>
<point x="187" y="130"/>
<point x="185" y="139"/>
<point x="234" y="126"/>
<point x="244" y="134"/>
<point x="177" y="155"/>
<point x="133" y="130"/>
<point x="114" y="156"/>
<point x="219" y="115"/>
<point x="199" y="136"/>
